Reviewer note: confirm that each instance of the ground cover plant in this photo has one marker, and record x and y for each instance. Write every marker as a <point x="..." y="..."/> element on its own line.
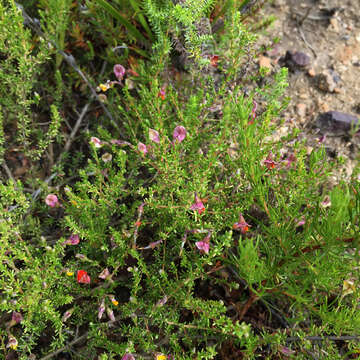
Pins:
<point x="161" y="220"/>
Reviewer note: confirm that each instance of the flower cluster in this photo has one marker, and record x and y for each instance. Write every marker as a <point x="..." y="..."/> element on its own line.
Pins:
<point x="179" y="135"/>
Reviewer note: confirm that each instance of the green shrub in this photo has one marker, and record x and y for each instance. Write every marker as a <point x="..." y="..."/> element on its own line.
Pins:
<point x="171" y="234"/>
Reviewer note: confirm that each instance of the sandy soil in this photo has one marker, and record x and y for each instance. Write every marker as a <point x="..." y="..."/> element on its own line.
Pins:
<point x="328" y="32"/>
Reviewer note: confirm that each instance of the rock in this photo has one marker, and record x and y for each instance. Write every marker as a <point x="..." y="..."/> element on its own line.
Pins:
<point x="327" y="80"/>
<point x="296" y="60"/>
<point x="311" y="72"/>
<point x="301" y="109"/>
<point x="337" y="122"/>
<point x="265" y="62"/>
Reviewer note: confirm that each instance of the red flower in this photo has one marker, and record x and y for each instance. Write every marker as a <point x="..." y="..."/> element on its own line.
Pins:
<point x="242" y="225"/>
<point x="214" y="60"/>
<point x="83" y="277"/>
<point x="162" y="93"/>
<point x="269" y="162"/>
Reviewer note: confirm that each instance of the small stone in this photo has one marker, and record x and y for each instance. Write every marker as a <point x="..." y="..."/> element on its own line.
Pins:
<point x="335" y="24"/>
<point x="337" y="90"/>
<point x="296" y="60"/>
<point x="337" y="122"/>
<point x="311" y="72"/>
<point x="345" y="54"/>
<point x="326" y="81"/>
<point x="265" y="62"/>
<point x="301" y="109"/>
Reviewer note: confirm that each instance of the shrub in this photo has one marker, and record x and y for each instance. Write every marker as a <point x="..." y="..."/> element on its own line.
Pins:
<point x="171" y="234"/>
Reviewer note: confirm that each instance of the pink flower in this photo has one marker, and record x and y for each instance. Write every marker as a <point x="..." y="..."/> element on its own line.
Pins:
<point x="300" y="222"/>
<point x="16" y="317"/>
<point x="154" y="136"/>
<point x="101" y="309"/>
<point x="119" y="71"/>
<point x="104" y="274"/>
<point x="204" y="244"/>
<point x="96" y="142"/>
<point x="162" y="93"/>
<point x="110" y="314"/>
<point x="241" y="225"/>
<point x="269" y="162"/>
<point x="72" y="240"/>
<point x="52" y="200"/>
<point x="198" y="205"/>
<point x="83" y="277"/>
<point x="128" y="357"/>
<point x="142" y="148"/>
<point x="179" y="134"/>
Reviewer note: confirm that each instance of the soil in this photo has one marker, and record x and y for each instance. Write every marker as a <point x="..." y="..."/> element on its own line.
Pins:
<point x="328" y="32"/>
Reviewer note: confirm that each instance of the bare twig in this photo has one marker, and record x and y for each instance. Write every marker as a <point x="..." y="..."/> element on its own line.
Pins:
<point x="8" y="171"/>
<point x="69" y="59"/>
<point x="78" y="122"/>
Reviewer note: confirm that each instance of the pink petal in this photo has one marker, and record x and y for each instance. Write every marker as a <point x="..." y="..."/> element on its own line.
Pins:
<point x="52" y="200"/>
<point x="104" y="274"/>
<point x="96" y="142"/>
<point x="142" y="148"/>
<point x="154" y="136"/>
<point x="119" y="71"/>
<point x="203" y="246"/>
<point x="179" y="133"/>
<point x="128" y="357"/>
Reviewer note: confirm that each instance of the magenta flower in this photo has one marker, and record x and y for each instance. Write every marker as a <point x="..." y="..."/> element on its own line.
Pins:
<point x="119" y="71"/>
<point x="179" y="134"/>
<point x="198" y="205"/>
<point x="162" y="93"/>
<point x="16" y="317"/>
<point x="72" y="240"/>
<point x="96" y="142"/>
<point x="52" y="200"/>
<point x="300" y="222"/>
<point x="154" y="136"/>
<point x="269" y="162"/>
<point x="241" y="225"/>
<point x="204" y="244"/>
<point x="142" y="148"/>
<point x="128" y="357"/>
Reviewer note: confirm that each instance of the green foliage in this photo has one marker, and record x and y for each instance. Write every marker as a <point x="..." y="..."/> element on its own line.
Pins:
<point x="20" y="69"/>
<point x="119" y="259"/>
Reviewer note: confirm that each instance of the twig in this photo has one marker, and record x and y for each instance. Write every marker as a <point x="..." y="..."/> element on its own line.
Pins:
<point x="302" y="35"/>
<point x="69" y="59"/>
<point x="8" y="171"/>
<point x="325" y="337"/>
<point x="78" y="122"/>
<point x="72" y="343"/>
